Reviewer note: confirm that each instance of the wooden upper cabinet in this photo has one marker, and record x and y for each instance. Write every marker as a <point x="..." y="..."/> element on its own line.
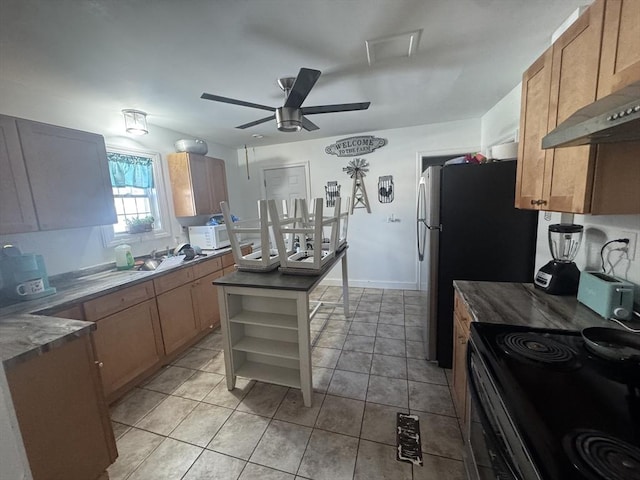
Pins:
<point x="620" y="58"/>
<point x="17" y="214"/>
<point x="198" y="184"/>
<point x="576" y="55"/>
<point x="584" y="179"/>
<point x="536" y="84"/>
<point x="68" y="174"/>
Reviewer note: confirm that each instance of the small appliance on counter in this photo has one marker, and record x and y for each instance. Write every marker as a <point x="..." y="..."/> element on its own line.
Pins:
<point x="561" y="275"/>
<point x="209" y="237"/>
<point x="606" y="295"/>
<point x="23" y="276"/>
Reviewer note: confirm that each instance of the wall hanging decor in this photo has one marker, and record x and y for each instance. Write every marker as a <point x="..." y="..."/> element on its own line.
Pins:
<point x="331" y="192"/>
<point x="385" y="189"/>
<point x="357" y="169"/>
<point x="348" y="147"/>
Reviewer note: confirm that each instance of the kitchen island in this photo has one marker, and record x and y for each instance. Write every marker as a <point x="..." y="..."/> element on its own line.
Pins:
<point x="265" y="325"/>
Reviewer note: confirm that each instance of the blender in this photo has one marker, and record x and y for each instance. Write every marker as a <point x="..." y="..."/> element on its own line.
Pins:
<point x="561" y="275"/>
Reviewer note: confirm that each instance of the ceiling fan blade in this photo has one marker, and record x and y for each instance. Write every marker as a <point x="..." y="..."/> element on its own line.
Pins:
<point x="233" y="101"/>
<point x="257" y="122"/>
<point x="303" y="84"/>
<point x="342" y="107"/>
<point x="308" y="125"/>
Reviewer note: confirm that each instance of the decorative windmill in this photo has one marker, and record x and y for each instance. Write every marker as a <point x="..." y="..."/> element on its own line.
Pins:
<point x="357" y="169"/>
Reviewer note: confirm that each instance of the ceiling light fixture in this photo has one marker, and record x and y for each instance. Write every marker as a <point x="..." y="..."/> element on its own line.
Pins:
<point x="289" y="119"/>
<point x="135" y="122"/>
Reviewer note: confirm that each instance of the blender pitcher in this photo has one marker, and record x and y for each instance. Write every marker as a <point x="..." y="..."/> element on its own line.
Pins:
<point x="561" y="276"/>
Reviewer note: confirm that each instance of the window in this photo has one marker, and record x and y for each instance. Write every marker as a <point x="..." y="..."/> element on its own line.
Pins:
<point x="138" y="194"/>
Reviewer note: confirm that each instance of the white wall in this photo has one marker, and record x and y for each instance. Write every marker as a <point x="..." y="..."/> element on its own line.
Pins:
<point x="501" y="123"/>
<point x="381" y="254"/>
<point x="598" y="229"/>
<point x="68" y="250"/>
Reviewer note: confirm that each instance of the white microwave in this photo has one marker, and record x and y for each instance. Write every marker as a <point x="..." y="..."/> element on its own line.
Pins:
<point x="209" y="237"/>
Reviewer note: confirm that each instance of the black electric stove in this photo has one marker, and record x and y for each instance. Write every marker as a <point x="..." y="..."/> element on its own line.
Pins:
<point x="549" y="409"/>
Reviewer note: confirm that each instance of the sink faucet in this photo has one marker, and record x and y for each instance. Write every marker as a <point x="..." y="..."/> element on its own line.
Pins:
<point x="154" y="253"/>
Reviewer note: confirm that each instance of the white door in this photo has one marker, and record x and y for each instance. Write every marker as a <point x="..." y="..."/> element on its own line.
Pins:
<point x="285" y="183"/>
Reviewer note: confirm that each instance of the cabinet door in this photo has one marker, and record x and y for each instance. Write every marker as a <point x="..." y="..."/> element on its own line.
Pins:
<point x="460" y="336"/>
<point x="202" y="187"/>
<point x="620" y="59"/>
<point x="17" y="214"/>
<point x="218" y="184"/>
<point x="128" y="343"/>
<point x="205" y="301"/>
<point x="177" y="317"/>
<point x="568" y="173"/>
<point x="536" y="83"/>
<point x="62" y="414"/>
<point x="69" y="176"/>
<point x="198" y="184"/>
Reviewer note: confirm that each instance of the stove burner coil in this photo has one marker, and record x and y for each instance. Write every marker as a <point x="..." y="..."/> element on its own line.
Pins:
<point x="600" y="456"/>
<point x="537" y="348"/>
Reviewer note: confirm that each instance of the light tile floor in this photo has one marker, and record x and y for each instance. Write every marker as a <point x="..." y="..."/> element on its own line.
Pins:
<point x="183" y="424"/>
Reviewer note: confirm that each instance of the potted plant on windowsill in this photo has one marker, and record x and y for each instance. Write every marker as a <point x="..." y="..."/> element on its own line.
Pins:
<point x="140" y="225"/>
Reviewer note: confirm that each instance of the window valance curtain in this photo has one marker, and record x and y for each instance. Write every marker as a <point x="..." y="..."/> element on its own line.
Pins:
<point x="130" y="170"/>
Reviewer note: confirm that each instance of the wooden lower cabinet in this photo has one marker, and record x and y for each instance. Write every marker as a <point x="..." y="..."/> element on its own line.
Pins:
<point x="129" y="346"/>
<point x="177" y="317"/>
<point x="461" y="325"/>
<point x="205" y="301"/>
<point x="62" y="414"/>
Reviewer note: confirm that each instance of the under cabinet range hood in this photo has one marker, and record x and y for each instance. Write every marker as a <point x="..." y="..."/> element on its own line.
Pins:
<point x="612" y="119"/>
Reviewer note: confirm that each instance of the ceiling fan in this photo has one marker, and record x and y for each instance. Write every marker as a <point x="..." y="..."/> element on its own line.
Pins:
<point x="291" y="116"/>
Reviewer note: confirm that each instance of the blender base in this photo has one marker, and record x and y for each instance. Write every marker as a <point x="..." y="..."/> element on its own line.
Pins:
<point x="558" y="278"/>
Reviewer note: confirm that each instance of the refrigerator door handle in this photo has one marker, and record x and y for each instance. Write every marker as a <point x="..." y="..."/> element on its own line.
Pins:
<point x="421" y="226"/>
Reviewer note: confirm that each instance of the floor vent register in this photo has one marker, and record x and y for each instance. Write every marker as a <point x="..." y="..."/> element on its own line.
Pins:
<point x="408" y="439"/>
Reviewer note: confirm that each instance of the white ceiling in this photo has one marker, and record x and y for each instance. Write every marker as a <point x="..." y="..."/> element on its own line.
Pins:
<point x="160" y="55"/>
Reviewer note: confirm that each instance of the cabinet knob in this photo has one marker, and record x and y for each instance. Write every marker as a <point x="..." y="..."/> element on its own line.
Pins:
<point x="99" y="364"/>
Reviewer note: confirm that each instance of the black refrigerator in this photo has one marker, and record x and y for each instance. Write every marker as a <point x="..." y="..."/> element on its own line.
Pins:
<point x="468" y="229"/>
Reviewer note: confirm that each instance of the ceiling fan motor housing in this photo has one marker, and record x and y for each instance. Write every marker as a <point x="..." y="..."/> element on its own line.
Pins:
<point x="289" y="119"/>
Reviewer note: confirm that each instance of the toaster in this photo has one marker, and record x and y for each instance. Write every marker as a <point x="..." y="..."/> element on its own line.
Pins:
<point x="606" y="295"/>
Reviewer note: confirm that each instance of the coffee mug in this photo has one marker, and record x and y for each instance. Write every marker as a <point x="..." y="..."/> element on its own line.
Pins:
<point x="30" y="287"/>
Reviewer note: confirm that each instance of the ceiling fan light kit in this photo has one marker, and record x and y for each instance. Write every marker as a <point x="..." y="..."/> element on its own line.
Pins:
<point x="291" y="116"/>
<point x="289" y="119"/>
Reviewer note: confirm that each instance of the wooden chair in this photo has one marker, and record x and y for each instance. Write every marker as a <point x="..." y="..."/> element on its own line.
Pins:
<point x="311" y="252"/>
<point x="255" y="261"/>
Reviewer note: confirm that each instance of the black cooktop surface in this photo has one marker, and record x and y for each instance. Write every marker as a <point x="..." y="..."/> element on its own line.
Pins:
<point x="578" y="414"/>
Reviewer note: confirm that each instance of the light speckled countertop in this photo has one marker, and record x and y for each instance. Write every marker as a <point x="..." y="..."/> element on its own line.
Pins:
<point x="523" y="304"/>
<point x="26" y="329"/>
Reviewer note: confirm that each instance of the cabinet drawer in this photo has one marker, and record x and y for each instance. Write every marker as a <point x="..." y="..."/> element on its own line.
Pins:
<point x="114" y="302"/>
<point x="173" y="280"/>
<point x="207" y="267"/>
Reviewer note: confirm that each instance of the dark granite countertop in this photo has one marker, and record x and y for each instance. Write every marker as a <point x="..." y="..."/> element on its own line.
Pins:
<point x="27" y="330"/>
<point x="277" y="280"/>
<point x="26" y="336"/>
<point x="523" y="304"/>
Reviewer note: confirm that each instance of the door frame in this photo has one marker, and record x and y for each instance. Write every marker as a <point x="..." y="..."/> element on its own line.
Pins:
<point x="307" y="176"/>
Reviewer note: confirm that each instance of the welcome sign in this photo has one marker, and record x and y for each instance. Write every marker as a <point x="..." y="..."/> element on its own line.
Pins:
<point x="352" y="146"/>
